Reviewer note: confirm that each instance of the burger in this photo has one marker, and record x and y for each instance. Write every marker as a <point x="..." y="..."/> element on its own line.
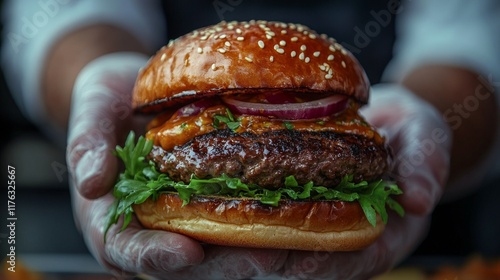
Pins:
<point x="257" y="142"/>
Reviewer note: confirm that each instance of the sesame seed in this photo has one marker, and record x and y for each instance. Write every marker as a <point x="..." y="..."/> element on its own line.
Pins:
<point x="305" y="32"/>
<point x="213" y="66"/>
<point x="271" y="33"/>
<point x="222" y="36"/>
<point x="240" y="38"/>
<point x="283" y="25"/>
<point x="230" y="26"/>
<point x="307" y="60"/>
<point x="337" y="46"/>
<point x="328" y="76"/>
<point x="301" y="56"/>
<point x="283" y="31"/>
<point x="216" y="37"/>
<point x="238" y="31"/>
<point x="269" y="37"/>
<point x="280" y="50"/>
<point x="276" y="46"/>
<point x="322" y="67"/>
<point x="312" y="36"/>
<point x="227" y="44"/>
<point x="218" y="29"/>
<point x="170" y="43"/>
<point x="330" y="71"/>
<point x="204" y="37"/>
<point x="246" y="25"/>
<point x="163" y="56"/>
<point x="303" y="47"/>
<point x="199" y="50"/>
<point x="271" y="58"/>
<point x="292" y="26"/>
<point x="330" y="57"/>
<point x="294" y="39"/>
<point x="293" y="54"/>
<point x="300" y="28"/>
<point x="323" y="36"/>
<point x="343" y="64"/>
<point x="261" y="44"/>
<point x="249" y="59"/>
<point x="331" y="48"/>
<point x="221" y="50"/>
<point x="343" y="51"/>
<point x="316" y="54"/>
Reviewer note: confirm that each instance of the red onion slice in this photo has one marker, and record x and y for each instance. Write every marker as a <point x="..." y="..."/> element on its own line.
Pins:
<point x="195" y="108"/>
<point x="290" y="111"/>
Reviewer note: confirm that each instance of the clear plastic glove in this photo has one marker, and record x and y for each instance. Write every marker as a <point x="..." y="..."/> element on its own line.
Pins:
<point x="101" y="117"/>
<point x="420" y="142"/>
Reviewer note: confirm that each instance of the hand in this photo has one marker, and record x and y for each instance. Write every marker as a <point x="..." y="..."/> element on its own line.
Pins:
<point x="420" y="142"/>
<point x="162" y="254"/>
<point x="101" y="117"/>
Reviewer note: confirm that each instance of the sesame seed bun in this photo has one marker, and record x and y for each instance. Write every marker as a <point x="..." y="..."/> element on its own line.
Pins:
<point x="247" y="56"/>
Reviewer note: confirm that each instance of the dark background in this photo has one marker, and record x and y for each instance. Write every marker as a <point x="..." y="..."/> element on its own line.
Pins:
<point x="45" y="224"/>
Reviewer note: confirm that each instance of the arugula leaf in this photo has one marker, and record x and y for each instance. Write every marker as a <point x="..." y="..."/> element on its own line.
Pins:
<point x="140" y="181"/>
<point x="231" y="122"/>
<point x="288" y="125"/>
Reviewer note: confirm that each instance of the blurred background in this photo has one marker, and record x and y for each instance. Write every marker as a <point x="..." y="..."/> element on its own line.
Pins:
<point x="45" y="229"/>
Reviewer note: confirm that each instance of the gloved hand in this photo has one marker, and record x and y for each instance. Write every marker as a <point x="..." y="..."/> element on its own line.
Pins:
<point x="420" y="142"/>
<point x="101" y="117"/>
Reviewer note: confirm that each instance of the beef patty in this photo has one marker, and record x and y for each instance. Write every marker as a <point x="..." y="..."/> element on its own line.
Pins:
<point x="267" y="159"/>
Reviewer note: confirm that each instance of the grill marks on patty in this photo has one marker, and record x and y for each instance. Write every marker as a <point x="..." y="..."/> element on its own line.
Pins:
<point x="267" y="159"/>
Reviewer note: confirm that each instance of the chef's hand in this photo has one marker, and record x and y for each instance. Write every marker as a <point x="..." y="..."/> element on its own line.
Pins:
<point x="101" y="117"/>
<point x="162" y="254"/>
<point x="420" y="142"/>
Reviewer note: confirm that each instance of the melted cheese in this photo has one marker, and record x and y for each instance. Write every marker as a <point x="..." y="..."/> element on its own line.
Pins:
<point x="169" y="130"/>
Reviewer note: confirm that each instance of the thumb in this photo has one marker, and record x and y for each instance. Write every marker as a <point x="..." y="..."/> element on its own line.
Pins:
<point x="100" y="113"/>
<point x="420" y="141"/>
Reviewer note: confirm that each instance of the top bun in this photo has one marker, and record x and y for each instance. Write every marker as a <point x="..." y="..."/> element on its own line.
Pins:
<point x="248" y="57"/>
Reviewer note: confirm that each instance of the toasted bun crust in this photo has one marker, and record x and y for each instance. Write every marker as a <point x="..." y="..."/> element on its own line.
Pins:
<point x="321" y="225"/>
<point x="248" y="57"/>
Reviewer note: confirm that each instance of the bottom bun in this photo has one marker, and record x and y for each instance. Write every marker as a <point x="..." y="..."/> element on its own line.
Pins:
<point x="298" y="225"/>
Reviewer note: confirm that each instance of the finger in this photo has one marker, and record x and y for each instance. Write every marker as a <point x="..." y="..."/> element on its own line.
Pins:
<point x="235" y="263"/>
<point x="101" y="109"/>
<point x="422" y="161"/>
<point x="135" y="249"/>
<point x="391" y="248"/>
<point x="422" y="177"/>
<point x="420" y="142"/>
<point x="152" y="252"/>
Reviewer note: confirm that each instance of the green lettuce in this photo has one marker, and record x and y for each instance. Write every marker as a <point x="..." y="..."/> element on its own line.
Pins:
<point x="140" y="180"/>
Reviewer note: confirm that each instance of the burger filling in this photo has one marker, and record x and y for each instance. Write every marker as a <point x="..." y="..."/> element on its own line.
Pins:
<point x="269" y="147"/>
